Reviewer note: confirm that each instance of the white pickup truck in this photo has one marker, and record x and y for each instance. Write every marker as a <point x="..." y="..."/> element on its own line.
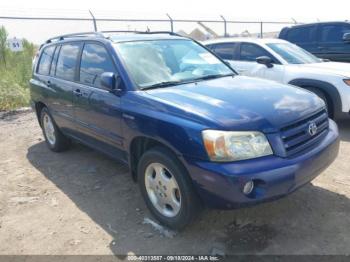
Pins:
<point x="287" y="63"/>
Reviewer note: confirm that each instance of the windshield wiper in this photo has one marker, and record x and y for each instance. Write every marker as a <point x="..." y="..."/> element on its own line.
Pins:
<point x="162" y="84"/>
<point x="208" y="77"/>
<point x="178" y="82"/>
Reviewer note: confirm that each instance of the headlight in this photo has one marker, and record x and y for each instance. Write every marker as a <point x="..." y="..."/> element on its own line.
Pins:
<point x="347" y="81"/>
<point x="227" y="146"/>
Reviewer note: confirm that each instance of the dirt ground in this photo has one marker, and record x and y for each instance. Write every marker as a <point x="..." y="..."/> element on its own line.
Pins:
<point x="82" y="202"/>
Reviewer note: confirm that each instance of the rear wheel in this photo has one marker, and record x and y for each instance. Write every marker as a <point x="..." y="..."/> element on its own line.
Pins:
<point x="167" y="188"/>
<point x="54" y="138"/>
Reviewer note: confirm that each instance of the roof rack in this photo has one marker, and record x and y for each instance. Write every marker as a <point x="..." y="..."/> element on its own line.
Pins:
<point x="101" y="34"/>
<point x="82" y="34"/>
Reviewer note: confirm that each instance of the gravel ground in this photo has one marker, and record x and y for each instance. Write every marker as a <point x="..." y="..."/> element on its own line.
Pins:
<point x="82" y="202"/>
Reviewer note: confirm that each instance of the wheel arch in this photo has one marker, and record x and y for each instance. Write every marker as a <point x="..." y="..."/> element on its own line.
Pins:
<point x="330" y="91"/>
<point x="139" y="145"/>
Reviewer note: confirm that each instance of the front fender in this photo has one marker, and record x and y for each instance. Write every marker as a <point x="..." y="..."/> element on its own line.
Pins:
<point x="326" y="87"/>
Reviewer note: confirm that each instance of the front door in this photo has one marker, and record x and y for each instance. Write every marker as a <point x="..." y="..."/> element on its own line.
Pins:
<point x="247" y="65"/>
<point x="97" y="111"/>
<point x="331" y="44"/>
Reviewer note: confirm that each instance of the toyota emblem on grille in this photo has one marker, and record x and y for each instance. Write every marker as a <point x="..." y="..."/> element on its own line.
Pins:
<point x="312" y="129"/>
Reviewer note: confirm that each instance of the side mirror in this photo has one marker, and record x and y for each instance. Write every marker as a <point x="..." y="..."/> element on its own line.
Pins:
<point x="346" y="37"/>
<point x="265" y="60"/>
<point x="111" y="82"/>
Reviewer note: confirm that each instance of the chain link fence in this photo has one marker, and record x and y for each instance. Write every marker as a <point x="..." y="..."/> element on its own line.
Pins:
<point x="39" y="28"/>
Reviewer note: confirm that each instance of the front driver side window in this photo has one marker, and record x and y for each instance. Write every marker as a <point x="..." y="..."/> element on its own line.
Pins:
<point x="250" y="52"/>
<point x="333" y="33"/>
<point x="95" y="60"/>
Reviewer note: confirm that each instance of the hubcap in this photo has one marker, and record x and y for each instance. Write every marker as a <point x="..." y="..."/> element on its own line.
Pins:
<point x="163" y="190"/>
<point x="49" y="129"/>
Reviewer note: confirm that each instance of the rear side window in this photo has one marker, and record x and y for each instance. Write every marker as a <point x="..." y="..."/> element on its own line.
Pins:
<point x="94" y="61"/>
<point x="333" y="32"/>
<point x="67" y="61"/>
<point x="225" y="50"/>
<point x="45" y="60"/>
<point x="250" y="52"/>
<point x="301" y="34"/>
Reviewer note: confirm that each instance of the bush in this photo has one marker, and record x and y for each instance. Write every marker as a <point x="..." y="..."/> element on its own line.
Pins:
<point x="15" y="73"/>
<point x="12" y="94"/>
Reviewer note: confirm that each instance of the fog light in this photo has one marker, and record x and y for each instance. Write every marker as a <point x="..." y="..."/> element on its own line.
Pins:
<point x="248" y="187"/>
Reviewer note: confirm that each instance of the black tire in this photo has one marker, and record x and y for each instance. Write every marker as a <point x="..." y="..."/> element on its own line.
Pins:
<point x="190" y="203"/>
<point x="324" y="97"/>
<point x="61" y="142"/>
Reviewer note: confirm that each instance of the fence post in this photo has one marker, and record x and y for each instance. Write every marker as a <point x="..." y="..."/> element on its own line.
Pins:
<point x="261" y="30"/>
<point x="93" y="20"/>
<point x="171" y="23"/>
<point x="225" y="25"/>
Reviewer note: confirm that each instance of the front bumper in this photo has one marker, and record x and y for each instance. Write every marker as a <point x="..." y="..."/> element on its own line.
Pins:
<point x="220" y="184"/>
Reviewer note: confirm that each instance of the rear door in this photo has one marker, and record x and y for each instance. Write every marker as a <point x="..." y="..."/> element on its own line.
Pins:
<point x="331" y="44"/>
<point x="63" y="74"/>
<point x="40" y="84"/>
<point x="97" y="111"/>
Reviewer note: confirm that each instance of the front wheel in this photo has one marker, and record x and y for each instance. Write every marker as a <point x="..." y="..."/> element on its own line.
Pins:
<point x="55" y="140"/>
<point x="167" y="188"/>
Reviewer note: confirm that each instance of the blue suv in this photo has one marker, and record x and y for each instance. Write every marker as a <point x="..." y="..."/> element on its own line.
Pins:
<point x="193" y="132"/>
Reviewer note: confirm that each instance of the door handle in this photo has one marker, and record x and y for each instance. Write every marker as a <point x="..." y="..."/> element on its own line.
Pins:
<point x="77" y="92"/>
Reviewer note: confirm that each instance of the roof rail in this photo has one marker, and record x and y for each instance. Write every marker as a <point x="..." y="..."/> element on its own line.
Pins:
<point x="161" y="32"/>
<point x="143" y="32"/>
<point x="82" y="34"/>
<point x="101" y="34"/>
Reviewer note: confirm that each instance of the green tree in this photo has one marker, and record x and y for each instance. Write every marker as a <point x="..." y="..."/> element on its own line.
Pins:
<point x="3" y="44"/>
<point x="15" y="72"/>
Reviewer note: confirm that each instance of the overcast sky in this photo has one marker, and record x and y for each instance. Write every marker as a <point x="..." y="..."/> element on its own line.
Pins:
<point x="266" y="10"/>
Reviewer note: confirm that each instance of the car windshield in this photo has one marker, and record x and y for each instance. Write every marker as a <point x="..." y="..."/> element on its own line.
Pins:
<point x="160" y="63"/>
<point x="293" y="54"/>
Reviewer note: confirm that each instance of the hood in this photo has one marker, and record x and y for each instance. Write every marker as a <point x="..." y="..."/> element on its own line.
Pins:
<point x="336" y="68"/>
<point x="238" y="103"/>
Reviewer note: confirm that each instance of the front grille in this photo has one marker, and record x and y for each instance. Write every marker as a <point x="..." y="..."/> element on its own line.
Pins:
<point x="296" y="137"/>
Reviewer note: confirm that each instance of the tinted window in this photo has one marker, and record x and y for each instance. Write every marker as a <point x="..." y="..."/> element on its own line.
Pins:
<point x="45" y="60"/>
<point x="333" y="33"/>
<point x="301" y="34"/>
<point x="250" y="52"/>
<point x="94" y="61"/>
<point x="225" y="50"/>
<point x="67" y="61"/>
